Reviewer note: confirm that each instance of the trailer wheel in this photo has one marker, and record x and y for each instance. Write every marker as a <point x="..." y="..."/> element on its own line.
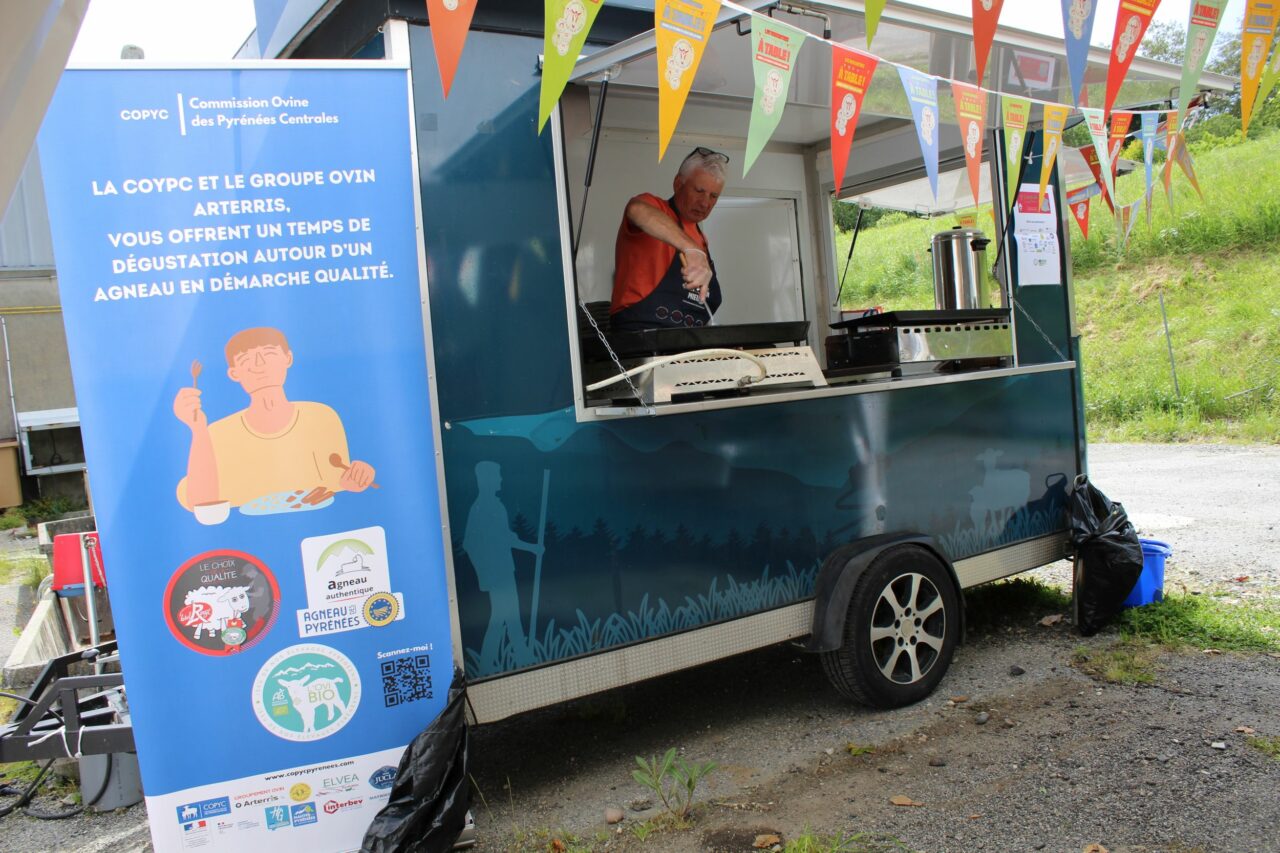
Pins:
<point x="900" y="631"/>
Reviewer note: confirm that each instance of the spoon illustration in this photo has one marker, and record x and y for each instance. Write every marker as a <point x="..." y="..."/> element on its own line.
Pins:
<point x="196" y="368"/>
<point x="336" y="461"/>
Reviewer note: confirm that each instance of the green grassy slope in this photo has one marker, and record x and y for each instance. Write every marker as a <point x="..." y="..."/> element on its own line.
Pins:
<point x="1217" y="264"/>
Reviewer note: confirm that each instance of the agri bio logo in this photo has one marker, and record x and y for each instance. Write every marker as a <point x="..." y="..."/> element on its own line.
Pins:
<point x="306" y="692"/>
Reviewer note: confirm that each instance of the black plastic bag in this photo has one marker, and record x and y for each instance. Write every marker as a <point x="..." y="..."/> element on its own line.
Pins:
<point x="430" y="796"/>
<point x="1108" y="555"/>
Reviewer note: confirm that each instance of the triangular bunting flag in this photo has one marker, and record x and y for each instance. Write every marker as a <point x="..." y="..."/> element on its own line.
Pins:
<point x="986" y="13"/>
<point x="1120" y="122"/>
<point x="567" y="25"/>
<point x="1080" y="212"/>
<point x="1183" y="156"/>
<point x="1269" y="76"/>
<point x="851" y="73"/>
<point x="872" y="10"/>
<point x="1150" y="121"/>
<point x="1015" y="113"/>
<point x="1202" y="27"/>
<point x="1170" y="143"/>
<point x="1125" y="217"/>
<point x="1055" y="119"/>
<point x="922" y="94"/>
<point x="682" y="28"/>
<point x="1255" y="44"/>
<point x="450" y="22"/>
<point x="1097" y="125"/>
<point x="1132" y="21"/>
<point x="774" y="46"/>
<point x="971" y="108"/>
<point x="1077" y="24"/>
<point x="1090" y="155"/>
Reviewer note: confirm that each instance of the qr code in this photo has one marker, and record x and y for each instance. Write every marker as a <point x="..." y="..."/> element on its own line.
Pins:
<point x="406" y="679"/>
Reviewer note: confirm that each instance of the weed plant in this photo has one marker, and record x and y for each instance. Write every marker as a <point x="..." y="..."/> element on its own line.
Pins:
<point x="673" y="780"/>
<point x="1206" y="622"/>
<point x="855" y="842"/>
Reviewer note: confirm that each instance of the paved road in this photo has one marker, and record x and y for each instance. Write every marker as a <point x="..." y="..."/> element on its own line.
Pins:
<point x="1216" y="505"/>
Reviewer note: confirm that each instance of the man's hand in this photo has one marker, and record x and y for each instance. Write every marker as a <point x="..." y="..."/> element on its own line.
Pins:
<point x="697" y="273"/>
<point x="186" y="407"/>
<point x="357" y="477"/>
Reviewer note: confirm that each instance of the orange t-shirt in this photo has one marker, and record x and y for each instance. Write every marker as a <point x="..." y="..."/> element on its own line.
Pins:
<point x="640" y="261"/>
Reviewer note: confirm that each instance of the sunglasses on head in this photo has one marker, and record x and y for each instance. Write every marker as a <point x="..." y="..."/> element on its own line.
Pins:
<point x="706" y="152"/>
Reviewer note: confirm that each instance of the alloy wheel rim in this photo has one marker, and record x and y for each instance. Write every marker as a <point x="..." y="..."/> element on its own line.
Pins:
<point x="908" y="628"/>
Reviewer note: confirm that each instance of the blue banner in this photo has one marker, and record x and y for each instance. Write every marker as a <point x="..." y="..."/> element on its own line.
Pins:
<point x="1150" y="123"/>
<point x="239" y="272"/>
<point x="922" y="94"/>
<point x="1077" y="26"/>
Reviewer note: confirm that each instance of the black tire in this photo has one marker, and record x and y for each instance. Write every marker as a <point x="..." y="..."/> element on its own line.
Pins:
<point x="892" y="655"/>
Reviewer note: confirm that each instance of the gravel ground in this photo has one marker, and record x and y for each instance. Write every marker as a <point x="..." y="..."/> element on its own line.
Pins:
<point x="1060" y="762"/>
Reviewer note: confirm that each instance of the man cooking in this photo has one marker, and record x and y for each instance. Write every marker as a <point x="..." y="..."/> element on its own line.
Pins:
<point x="663" y="275"/>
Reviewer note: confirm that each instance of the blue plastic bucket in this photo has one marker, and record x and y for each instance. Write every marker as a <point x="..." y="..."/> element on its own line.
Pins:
<point x="1150" y="585"/>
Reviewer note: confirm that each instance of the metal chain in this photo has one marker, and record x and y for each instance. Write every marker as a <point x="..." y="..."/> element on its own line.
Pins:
<point x="613" y="355"/>
<point x="1033" y="322"/>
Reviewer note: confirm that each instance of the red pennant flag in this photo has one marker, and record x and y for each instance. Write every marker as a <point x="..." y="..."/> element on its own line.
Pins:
<point x="1120" y="121"/>
<point x="971" y="107"/>
<point x="985" y="15"/>
<point x="1132" y="20"/>
<point x="1090" y="155"/>
<point x="450" y="22"/>
<point x="1081" y="212"/>
<point x="851" y="72"/>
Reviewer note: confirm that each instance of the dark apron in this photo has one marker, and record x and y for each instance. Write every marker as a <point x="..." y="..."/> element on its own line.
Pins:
<point x="670" y="306"/>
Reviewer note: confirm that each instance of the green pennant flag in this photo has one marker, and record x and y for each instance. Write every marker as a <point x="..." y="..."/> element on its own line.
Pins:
<point x="1015" y="115"/>
<point x="567" y="22"/>
<point x="1202" y="27"/>
<point x="774" y="46"/>
<point x="872" y="10"/>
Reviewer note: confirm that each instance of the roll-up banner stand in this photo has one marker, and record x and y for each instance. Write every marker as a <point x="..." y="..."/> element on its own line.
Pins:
<point x="239" y="267"/>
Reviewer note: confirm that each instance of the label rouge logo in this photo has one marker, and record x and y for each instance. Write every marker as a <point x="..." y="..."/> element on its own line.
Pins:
<point x="221" y="602"/>
<point x="306" y="692"/>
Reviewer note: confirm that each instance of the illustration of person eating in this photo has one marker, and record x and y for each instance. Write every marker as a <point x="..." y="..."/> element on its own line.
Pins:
<point x="276" y="454"/>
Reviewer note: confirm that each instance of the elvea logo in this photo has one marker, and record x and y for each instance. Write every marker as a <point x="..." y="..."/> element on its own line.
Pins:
<point x="383" y="778"/>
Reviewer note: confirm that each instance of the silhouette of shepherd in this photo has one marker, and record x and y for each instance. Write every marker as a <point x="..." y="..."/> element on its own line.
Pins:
<point x="488" y="541"/>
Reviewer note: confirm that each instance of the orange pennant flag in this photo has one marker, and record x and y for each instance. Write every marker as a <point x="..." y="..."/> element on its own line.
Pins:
<point x="971" y="109"/>
<point x="1080" y="210"/>
<point x="450" y="22"/>
<point x="1255" y="44"/>
<point x="986" y="13"/>
<point x="682" y="28"/>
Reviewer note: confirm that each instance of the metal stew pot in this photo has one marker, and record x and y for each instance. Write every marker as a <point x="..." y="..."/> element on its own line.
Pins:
<point x="960" y="278"/>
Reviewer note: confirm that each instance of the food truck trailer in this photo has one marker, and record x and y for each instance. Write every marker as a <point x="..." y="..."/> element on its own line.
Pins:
<point x="620" y="505"/>
<point x="790" y="472"/>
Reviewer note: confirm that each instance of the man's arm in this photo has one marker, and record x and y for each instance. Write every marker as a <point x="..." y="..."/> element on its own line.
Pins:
<point x="655" y="223"/>
<point x="202" y="463"/>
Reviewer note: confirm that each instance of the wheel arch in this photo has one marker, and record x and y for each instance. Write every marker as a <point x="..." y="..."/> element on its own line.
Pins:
<point x="839" y="574"/>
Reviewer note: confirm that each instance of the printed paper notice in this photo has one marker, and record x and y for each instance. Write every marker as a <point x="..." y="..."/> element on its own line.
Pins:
<point x="1035" y="231"/>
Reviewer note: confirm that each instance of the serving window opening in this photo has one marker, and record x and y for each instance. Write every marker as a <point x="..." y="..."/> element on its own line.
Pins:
<point x="790" y="323"/>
